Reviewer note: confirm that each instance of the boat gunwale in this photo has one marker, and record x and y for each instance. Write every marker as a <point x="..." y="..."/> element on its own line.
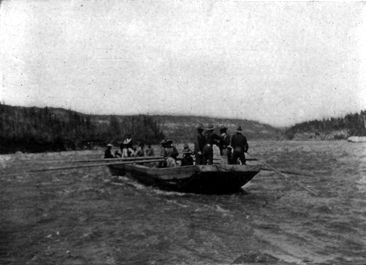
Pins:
<point x="194" y="168"/>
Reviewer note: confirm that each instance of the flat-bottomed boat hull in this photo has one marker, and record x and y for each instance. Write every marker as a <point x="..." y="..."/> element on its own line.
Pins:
<point x="195" y="179"/>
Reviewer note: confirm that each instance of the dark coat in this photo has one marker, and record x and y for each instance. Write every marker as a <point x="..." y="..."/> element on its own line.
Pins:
<point x="201" y="141"/>
<point x="108" y="153"/>
<point x="239" y="143"/>
<point x="187" y="160"/>
<point x="212" y="138"/>
<point x="224" y="141"/>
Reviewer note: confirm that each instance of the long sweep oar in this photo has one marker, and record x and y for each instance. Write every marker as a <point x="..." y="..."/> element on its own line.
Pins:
<point x="119" y="159"/>
<point x="291" y="172"/>
<point x="97" y="165"/>
<point x="99" y="159"/>
<point x="247" y="159"/>
<point x="78" y="162"/>
<point x="287" y="177"/>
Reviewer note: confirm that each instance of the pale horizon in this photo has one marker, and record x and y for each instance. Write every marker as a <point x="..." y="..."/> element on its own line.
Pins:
<point x="278" y="63"/>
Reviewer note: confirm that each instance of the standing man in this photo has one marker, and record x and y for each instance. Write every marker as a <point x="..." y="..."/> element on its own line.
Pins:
<point x="225" y="149"/>
<point x="240" y="145"/>
<point x="198" y="146"/>
<point x="210" y="139"/>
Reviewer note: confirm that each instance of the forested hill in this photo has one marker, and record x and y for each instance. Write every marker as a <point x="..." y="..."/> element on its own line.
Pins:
<point x="33" y="129"/>
<point x="331" y="128"/>
<point x="183" y="128"/>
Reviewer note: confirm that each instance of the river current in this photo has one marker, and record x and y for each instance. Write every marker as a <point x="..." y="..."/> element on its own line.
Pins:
<point x="317" y="216"/>
<point x="86" y="216"/>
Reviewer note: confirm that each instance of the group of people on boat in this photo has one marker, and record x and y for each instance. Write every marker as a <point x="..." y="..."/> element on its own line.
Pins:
<point x="170" y="153"/>
<point x="128" y="148"/>
<point x="233" y="147"/>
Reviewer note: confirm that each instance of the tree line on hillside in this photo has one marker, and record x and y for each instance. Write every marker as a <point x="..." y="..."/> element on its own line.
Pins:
<point x="354" y="124"/>
<point x="183" y="128"/>
<point x="32" y="129"/>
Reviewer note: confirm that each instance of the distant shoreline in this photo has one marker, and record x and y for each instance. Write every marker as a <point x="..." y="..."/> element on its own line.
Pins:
<point x="100" y="149"/>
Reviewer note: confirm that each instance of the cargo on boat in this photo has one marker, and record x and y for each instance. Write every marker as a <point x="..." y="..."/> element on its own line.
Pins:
<point x="217" y="178"/>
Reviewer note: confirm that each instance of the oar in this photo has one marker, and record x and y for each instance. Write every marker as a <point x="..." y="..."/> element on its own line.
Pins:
<point x="286" y="177"/>
<point x="96" y="165"/>
<point x="298" y="173"/>
<point x="247" y="159"/>
<point x="120" y="159"/>
<point x="132" y="159"/>
<point x="101" y="159"/>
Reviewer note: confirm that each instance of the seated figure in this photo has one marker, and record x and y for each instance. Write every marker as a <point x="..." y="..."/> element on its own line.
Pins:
<point x="139" y="150"/>
<point x="187" y="159"/>
<point x="108" y="152"/>
<point x="149" y="150"/>
<point x="169" y="152"/>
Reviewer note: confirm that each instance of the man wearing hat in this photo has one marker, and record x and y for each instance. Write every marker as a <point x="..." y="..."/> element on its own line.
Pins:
<point x="108" y="152"/>
<point x="198" y="146"/>
<point x="170" y="153"/>
<point x="210" y="139"/>
<point x="225" y="148"/>
<point x="170" y="149"/>
<point x="240" y="145"/>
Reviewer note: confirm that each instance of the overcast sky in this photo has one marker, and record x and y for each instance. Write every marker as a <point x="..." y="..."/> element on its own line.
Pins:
<point x="278" y="63"/>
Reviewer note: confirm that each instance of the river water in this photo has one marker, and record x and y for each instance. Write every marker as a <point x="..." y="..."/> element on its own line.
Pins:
<point x="282" y="220"/>
<point x="317" y="216"/>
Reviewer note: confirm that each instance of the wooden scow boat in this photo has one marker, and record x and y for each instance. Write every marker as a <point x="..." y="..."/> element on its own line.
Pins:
<point x="217" y="178"/>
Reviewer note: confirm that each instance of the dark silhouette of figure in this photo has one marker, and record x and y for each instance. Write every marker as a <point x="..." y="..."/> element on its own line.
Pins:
<point x="210" y="139"/>
<point x="225" y="148"/>
<point x="171" y="153"/>
<point x="199" y="145"/>
<point x="187" y="159"/>
<point x="108" y="152"/>
<point x="240" y="145"/>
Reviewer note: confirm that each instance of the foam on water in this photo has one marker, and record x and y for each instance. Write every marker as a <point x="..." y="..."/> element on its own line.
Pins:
<point x="327" y="228"/>
<point x="138" y="186"/>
